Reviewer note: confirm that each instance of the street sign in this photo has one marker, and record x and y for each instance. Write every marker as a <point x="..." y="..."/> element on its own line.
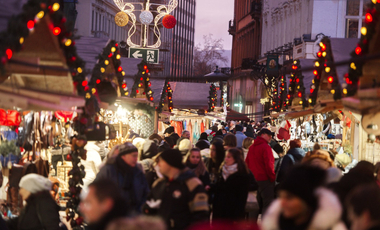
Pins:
<point x="148" y="55"/>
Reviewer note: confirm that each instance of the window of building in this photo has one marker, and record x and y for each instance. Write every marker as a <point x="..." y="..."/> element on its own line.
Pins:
<point x="355" y="13"/>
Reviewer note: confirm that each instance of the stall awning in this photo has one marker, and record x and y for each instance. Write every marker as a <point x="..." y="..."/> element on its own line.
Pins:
<point x="26" y="99"/>
<point x="188" y="95"/>
<point x="232" y="115"/>
<point x="296" y="114"/>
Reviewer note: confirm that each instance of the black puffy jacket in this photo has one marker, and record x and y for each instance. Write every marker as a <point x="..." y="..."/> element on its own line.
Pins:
<point x="183" y="200"/>
<point x="41" y="212"/>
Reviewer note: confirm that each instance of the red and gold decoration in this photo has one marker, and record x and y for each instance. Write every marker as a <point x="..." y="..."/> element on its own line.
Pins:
<point x="212" y="98"/>
<point x="20" y="26"/>
<point x="367" y="32"/>
<point x="297" y="94"/>
<point x="166" y="98"/>
<point x="169" y="21"/>
<point x="141" y="87"/>
<point x="325" y="76"/>
<point x="107" y="72"/>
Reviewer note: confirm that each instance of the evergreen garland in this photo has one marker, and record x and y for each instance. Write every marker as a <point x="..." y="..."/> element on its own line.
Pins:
<point x="212" y="98"/>
<point x="166" y="97"/>
<point x="110" y="55"/>
<point x="20" y="26"/>
<point x="367" y="31"/>
<point x="297" y="88"/>
<point x="325" y="72"/>
<point x="142" y="82"/>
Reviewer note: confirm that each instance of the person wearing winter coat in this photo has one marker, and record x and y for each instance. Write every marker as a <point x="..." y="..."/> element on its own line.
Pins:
<point x="195" y="164"/>
<point x="294" y="156"/>
<point x="240" y="136"/>
<point x="169" y="132"/>
<point x="304" y="204"/>
<point x="260" y="161"/>
<point x="229" y="141"/>
<point x="179" y="198"/>
<point x="41" y="211"/>
<point x="129" y="178"/>
<point x="363" y="208"/>
<point x="91" y="162"/>
<point x="217" y="155"/>
<point x="232" y="188"/>
<point x="102" y="205"/>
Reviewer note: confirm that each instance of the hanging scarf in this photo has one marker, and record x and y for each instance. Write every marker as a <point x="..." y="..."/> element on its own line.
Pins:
<point x="229" y="170"/>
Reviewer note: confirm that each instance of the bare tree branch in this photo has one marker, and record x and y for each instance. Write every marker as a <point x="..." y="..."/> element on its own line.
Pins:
<point x="207" y="55"/>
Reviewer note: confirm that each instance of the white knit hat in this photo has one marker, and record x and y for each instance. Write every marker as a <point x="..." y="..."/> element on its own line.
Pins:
<point x="184" y="145"/>
<point x="35" y="183"/>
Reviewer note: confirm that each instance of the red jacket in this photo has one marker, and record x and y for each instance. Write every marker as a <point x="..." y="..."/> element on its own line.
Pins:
<point x="260" y="160"/>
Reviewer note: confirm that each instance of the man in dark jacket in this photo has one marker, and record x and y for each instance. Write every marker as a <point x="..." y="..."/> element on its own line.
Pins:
<point x="260" y="161"/>
<point x="102" y="204"/>
<point x="131" y="181"/>
<point x="179" y="198"/>
<point x="169" y="132"/>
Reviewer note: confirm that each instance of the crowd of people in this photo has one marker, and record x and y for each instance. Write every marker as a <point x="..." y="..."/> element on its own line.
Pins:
<point x="167" y="182"/>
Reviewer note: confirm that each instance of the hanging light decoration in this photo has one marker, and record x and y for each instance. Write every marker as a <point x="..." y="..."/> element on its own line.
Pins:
<point x="146" y="17"/>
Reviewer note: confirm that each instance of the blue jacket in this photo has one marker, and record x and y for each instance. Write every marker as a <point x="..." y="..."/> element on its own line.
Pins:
<point x="240" y="138"/>
<point x="131" y="181"/>
<point x="293" y="157"/>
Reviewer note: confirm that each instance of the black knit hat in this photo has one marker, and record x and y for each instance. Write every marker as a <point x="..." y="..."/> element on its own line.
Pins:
<point x="265" y="131"/>
<point x="127" y="148"/>
<point x="302" y="181"/>
<point x="173" y="157"/>
<point x="150" y="149"/>
<point x="169" y="130"/>
<point x="202" y="144"/>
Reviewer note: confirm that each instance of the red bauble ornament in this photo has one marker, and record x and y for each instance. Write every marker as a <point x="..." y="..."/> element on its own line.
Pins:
<point x="97" y="81"/>
<point x="169" y="21"/>
<point x="68" y="157"/>
<point x="358" y="50"/>
<point x="43" y="6"/>
<point x="30" y="24"/>
<point x="9" y="53"/>
<point x="3" y="60"/>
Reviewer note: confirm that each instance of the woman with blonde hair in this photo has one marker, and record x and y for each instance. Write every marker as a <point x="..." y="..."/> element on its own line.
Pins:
<point x="319" y="158"/>
<point x="247" y="142"/>
<point x="195" y="163"/>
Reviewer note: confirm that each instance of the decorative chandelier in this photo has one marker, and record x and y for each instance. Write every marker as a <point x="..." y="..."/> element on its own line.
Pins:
<point x="128" y="11"/>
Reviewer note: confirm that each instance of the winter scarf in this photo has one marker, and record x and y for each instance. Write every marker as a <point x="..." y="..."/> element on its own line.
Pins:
<point x="229" y="170"/>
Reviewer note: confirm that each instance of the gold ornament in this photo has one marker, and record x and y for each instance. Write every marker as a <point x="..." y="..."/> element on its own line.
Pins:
<point x="121" y="19"/>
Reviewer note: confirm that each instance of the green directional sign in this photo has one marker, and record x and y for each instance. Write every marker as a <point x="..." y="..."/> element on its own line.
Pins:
<point x="148" y="55"/>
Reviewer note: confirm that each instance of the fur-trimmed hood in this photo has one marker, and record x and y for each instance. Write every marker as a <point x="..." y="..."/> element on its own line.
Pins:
<point x="326" y="217"/>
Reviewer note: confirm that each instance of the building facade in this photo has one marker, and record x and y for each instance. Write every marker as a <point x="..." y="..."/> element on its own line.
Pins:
<point x="182" y="47"/>
<point x="245" y="92"/>
<point x="290" y="29"/>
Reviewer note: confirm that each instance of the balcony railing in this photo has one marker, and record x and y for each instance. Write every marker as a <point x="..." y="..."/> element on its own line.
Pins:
<point x="232" y="27"/>
<point x="256" y="10"/>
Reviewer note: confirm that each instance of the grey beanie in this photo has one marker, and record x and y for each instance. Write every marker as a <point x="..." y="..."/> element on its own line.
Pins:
<point x="35" y="183"/>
